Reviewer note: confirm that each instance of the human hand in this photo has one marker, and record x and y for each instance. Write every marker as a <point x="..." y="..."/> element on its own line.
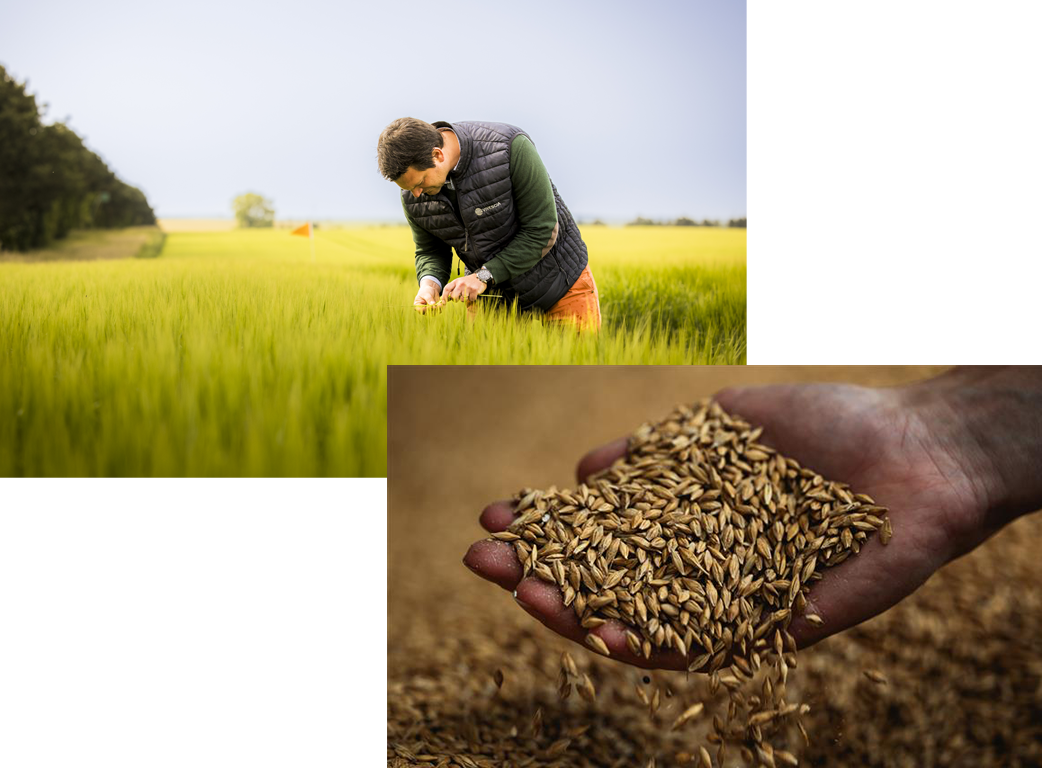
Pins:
<point x="884" y="443"/>
<point x="427" y="297"/>
<point x="464" y="289"/>
<point x="918" y="450"/>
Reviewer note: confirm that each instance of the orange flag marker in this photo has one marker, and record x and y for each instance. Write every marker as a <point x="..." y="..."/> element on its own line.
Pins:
<point x="306" y="231"/>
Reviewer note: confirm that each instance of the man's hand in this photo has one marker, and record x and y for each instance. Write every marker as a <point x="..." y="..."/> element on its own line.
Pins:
<point x="427" y="297"/>
<point x="858" y="436"/>
<point x="464" y="289"/>
<point x="954" y="459"/>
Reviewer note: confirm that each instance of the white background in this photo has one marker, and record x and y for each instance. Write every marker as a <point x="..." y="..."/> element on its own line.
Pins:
<point x="192" y="623"/>
<point x="895" y="182"/>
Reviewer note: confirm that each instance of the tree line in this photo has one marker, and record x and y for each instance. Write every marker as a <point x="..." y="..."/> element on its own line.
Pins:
<point x="50" y="183"/>
<point x="684" y="221"/>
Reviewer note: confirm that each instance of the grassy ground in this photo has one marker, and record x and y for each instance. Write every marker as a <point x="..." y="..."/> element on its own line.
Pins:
<point x="236" y="354"/>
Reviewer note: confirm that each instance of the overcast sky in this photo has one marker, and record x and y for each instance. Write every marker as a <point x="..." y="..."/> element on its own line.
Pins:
<point x="636" y="108"/>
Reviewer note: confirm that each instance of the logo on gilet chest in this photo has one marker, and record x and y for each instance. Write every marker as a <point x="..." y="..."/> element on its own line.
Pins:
<point x="487" y="208"/>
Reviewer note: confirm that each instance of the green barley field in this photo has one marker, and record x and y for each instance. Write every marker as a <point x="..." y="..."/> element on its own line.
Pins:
<point x="236" y="354"/>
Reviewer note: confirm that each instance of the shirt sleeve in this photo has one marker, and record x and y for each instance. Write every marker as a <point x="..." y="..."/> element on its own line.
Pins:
<point x="536" y="210"/>
<point x="433" y="255"/>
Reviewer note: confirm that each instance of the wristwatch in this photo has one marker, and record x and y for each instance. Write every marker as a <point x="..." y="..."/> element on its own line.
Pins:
<point x="485" y="276"/>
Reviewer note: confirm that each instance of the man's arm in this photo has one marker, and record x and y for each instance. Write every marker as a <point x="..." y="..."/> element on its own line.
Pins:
<point x="536" y="209"/>
<point x="433" y="255"/>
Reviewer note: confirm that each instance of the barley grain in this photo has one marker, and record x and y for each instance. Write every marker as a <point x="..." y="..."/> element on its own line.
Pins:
<point x="875" y="676"/>
<point x="597" y="644"/>
<point x="687" y="714"/>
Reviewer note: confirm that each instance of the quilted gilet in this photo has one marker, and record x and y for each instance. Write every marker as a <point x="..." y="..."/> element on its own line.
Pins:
<point x="489" y="219"/>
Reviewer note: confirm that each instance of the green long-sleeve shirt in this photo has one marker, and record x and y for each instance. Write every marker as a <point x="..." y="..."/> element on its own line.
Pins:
<point x="536" y="210"/>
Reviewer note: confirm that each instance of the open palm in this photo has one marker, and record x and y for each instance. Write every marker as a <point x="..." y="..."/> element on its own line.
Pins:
<point x="873" y="440"/>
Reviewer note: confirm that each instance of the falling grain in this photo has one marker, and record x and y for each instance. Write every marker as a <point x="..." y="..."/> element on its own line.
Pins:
<point x="707" y="761"/>
<point x="687" y="714"/>
<point x="568" y="664"/>
<point x="876" y="676"/>
<point x="586" y="689"/>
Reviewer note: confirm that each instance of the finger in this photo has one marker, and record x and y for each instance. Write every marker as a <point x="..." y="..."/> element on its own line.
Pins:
<point x="498" y="516"/>
<point x="545" y="602"/>
<point x="780" y="409"/>
<point x="601" y="458"/>
<point x="495" y="561"/>
<point x="761" y="406"/>
<point x="613" y="633"/>
<point x="798" y="420"/>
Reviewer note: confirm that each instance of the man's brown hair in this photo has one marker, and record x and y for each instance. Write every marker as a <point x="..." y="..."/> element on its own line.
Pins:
<point x="407" y="143"/>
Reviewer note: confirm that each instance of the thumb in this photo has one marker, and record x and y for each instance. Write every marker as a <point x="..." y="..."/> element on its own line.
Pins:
<point x="755" y="404"/>
<point x="792" y="417"/>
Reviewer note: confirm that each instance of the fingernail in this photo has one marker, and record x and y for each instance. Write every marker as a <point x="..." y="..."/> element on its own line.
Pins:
<point x="523" y="604"/>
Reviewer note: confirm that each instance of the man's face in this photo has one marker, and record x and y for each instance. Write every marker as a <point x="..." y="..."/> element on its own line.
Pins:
<point x="428" y="182"/>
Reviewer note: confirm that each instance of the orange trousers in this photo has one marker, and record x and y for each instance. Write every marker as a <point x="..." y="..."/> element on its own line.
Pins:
<point x="581" y="305"/>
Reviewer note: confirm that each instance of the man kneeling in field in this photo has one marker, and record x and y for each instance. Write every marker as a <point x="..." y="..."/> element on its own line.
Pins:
<point x="481" y="188"/>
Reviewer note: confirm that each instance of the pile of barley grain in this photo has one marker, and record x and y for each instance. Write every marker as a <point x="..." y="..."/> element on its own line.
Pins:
<point x="474" y="683"/>
<point x="703" y="541"/>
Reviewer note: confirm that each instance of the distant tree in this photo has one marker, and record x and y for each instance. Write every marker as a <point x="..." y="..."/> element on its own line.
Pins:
<point x="684" y="221"/>
<point x="253" y="210"/>
<point x="598" y="223"/>
<point x="640" y="221"/>
<point x="710" y="223"/>
<point x="737" y="223"/>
